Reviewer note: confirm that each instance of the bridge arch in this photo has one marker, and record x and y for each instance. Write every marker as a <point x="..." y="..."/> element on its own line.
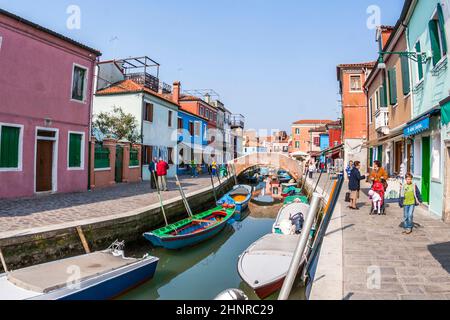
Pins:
<point x="278" y="160"/>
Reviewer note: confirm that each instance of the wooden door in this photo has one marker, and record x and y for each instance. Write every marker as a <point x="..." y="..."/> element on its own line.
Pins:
<point x="119" y="164"/>
<point x="44" y="166"/>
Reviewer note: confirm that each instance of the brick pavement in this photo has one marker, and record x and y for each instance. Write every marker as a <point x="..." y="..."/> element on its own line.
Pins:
<point x="44" y="211"/>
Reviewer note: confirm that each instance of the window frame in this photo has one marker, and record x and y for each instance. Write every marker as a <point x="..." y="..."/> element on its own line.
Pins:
<point x="360" y="82"/>
<point x="146" y="112"/>
<point x="85" y="83"/>
<point x="82" y="151"/>
<point x="170" y="118"/>
<point x="435" y="141"/>
<point x="19" y="167"/>
<point x="371" y="110"/>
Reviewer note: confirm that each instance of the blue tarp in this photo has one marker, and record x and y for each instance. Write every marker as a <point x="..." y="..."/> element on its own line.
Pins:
<point x="417" y="127"/>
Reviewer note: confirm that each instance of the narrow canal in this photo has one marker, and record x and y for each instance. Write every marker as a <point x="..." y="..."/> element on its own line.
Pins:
<point x="203" y="271"/>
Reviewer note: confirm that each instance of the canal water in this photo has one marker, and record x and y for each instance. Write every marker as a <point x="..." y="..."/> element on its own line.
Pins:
<point x="203" y="271"/>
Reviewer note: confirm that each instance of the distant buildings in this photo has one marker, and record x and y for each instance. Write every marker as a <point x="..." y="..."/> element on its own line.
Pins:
<point x="301" y="135"/>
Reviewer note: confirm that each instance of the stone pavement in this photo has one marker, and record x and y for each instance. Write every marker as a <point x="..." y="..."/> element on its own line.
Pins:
<point x="375" y="261"/>
<point x="45" y="211"/>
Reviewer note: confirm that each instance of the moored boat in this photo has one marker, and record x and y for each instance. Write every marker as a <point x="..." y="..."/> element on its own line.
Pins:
<point x="264" y="265"/>
<point x="290" y="199"/>
<point x="239" y="197"/>
<point x="96" y="276"/>
<point x="283" y="223"/>
<point x="192" y="230"/>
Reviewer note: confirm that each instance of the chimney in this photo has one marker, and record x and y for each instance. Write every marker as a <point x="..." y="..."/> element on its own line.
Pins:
<point x="208" y="98"/>
<point x="176" y="92"/>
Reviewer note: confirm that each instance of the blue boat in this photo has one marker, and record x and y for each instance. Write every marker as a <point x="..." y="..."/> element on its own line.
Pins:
<point x="96" y="276"/>
<point x="239" y="197"/>
<point x="191" y="231"/>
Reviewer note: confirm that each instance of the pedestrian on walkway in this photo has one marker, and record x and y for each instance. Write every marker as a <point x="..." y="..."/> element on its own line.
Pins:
<point x="378" y="174"/>
<point x="349" y="169"/>
<point x="312" y="169"/>
<point x="152" y="169"/>
<point x="214" y="168"/>
<point x="161" y="169"/>
<point x="410" y="198"/>
<point x="354" y="185"/>
<point x="193" y="169"/>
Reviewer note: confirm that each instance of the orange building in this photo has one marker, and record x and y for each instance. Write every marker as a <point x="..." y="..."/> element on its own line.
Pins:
<point x="351" y="78"/>
<point x="301" y="136"/>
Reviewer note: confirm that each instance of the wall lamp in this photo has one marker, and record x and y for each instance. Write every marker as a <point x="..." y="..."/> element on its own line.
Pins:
<point x="414" y="56"/>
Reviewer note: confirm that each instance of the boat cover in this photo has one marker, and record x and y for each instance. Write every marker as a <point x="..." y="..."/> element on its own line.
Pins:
<point x="48" y="277"/>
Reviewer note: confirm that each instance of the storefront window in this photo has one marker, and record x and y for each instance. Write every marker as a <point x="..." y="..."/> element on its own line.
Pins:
<point x="436" y="157"/>
<point x="417" y="157"/>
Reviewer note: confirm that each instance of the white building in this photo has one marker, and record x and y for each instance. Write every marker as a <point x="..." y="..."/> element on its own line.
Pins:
<point x="148" y="100"/>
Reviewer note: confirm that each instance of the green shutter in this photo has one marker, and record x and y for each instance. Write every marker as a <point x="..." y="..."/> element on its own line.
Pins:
<point x="442" y="28"/>
<point x="9" y="147"/>
<point x="383" y="95"/>
<point x="434" y="39"/>
<point x="380" y="154"/>
<point x="75" y="150"/>
<point x="419" y="61"/>
<point x="406" y="80"/>
<point x="392" y="86"/>
<point x="371" y="157"/>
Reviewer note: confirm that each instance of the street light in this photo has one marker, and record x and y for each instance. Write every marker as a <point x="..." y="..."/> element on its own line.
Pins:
<point x="421" y="57"/>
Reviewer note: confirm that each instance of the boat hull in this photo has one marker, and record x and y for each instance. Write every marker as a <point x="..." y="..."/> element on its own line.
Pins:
<point x="179" y="241"/>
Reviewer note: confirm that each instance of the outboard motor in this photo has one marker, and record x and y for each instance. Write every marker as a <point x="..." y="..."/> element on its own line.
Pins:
<point x="297" y="220"/>
<point x="232" y="294"/>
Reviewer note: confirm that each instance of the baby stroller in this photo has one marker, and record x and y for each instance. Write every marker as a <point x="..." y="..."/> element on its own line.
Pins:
<point x="378" y="187"/>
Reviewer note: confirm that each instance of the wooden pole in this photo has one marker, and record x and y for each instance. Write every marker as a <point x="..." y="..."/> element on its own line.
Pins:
<point x="160" y="198"/>
<point x="3" y="261"/>
<point x="83" y="239"/>
<point x="213" y="187"/>
<point x="183" y="196"/>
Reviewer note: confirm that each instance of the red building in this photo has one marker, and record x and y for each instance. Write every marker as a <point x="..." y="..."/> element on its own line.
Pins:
<point x="335" y="132"/>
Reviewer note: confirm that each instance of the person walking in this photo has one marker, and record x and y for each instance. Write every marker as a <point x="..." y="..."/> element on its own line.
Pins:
<point x="378" y="174"/>
<point x="193" y="169"/>
<point x="152" y="169"/>
<point x="311" y="169"/>
<point x="161" y="169"/>
<point x="214" y="168"/>
<point x="349" y="169"/>
<point x="354" y="185"/>
<point x="410" y="198"/>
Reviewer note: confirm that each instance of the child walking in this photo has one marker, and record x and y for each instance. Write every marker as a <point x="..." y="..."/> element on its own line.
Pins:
<point x="410" y="197"/>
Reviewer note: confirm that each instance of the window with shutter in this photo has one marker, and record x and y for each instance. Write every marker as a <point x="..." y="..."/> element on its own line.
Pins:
<point x="392" y="86"/>
<point x="419" y="62"/>
<point x="406" y="80"/>
<point x="442" y="32"/>
<point x="9" y="147"/>
<point x="170" y="119"/>
<point x="79" y="83"/>
<point x="149" y="112"/>
<point x="75" y="147"/>
<point x="434" y="40"/>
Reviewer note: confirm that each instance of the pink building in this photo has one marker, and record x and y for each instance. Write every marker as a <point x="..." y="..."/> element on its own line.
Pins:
<point x="46" y="83"/>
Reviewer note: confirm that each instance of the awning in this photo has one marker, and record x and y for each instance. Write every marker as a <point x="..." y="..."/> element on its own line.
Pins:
<point x="421" y="124"/>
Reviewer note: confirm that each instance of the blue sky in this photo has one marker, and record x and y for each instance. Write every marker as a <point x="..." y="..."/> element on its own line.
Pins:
<point x="273" y="61"/>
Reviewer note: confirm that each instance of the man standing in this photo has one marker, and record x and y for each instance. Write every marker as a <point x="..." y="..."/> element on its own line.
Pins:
<point x="152" y="169"/>
<point x="161" y="169"/>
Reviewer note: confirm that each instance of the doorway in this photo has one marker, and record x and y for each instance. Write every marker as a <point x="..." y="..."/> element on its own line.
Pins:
<point x="46" y="160"/>
<point x="119" y="164"/>
<point x="426" y="167"/>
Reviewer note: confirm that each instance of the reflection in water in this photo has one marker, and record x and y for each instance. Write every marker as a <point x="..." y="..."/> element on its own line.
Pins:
<point x="203" y="271"/>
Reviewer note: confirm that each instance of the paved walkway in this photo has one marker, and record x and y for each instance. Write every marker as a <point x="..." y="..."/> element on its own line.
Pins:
<point x="24" y="214"/>
<point x="376" y="261"/>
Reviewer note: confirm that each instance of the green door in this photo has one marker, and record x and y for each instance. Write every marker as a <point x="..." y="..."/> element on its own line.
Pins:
<point x="119" y="164"/>
<point x="371" y="158"/>
<point x="426" y="167"/>
<point x="380" y="154"/>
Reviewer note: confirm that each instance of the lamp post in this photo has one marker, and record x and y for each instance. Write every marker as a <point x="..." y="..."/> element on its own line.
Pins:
<point x="421" y="57"/>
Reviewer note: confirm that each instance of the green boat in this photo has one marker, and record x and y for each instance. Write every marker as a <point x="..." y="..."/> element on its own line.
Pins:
<point x="192" y="230"/>
<point x="291" y="199"/>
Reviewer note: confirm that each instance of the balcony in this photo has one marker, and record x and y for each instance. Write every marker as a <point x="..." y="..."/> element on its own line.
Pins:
<point x="149" y="81"/>
<point x="237" y="121"/>
<point x="382" y="120"/>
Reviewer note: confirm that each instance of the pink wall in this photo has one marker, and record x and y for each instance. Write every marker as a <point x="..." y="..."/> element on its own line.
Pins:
<point x="35" y="84"/>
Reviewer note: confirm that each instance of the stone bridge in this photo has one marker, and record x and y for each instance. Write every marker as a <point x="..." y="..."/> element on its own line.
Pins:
<point x="277" y="160"/>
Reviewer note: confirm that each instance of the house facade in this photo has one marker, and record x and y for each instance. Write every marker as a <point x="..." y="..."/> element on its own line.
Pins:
<point x="301" y="136"/>
<point x="351" y="78"/>
<point x="155" y="109"/>
<point x="389" y="102"/>
<point x="45" y="109"/>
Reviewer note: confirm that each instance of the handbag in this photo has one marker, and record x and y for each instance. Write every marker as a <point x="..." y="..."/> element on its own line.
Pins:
<point x="347" y="197"/>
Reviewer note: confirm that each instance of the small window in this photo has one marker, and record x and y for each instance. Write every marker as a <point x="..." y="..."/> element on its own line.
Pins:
<point x="297" y="144"/>
<point x="438" y="36"/>
<point x="10" y="144"/>
<point x="147" y="154"/>
<point x="317" y="141"/>
<point x="297" y="131"/>
<point x="197" y="128"/>
<point x="170" y="119"/>
<point x="191" y="128"/>
<point x="355" y="83"/>
<point x="170" y="155"/>
<point x="180" y="123"/>
<point x="79" y="83"/>
<point x="148" y="112"/>
<point x="75" y="150"/>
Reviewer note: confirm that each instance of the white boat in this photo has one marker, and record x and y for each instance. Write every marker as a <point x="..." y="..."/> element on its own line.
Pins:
<point x="264" y="265"/>
<point x="95" y="276"/>
<point x="283" y="224"/>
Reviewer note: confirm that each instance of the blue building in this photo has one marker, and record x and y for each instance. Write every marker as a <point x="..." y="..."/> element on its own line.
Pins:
<point x="324" y="144"/>
<point x="192" y="140"/>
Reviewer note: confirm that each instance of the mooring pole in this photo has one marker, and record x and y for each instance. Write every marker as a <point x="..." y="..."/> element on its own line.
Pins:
<point x="83" y="240"/>
<point x="235" y="174"/>
<point x="160" y="198"/>
<point x="213" y="187"/>
<point x="3" y="261"/>
<point x="301" y="246"/>
<point x="183" y="197"/>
